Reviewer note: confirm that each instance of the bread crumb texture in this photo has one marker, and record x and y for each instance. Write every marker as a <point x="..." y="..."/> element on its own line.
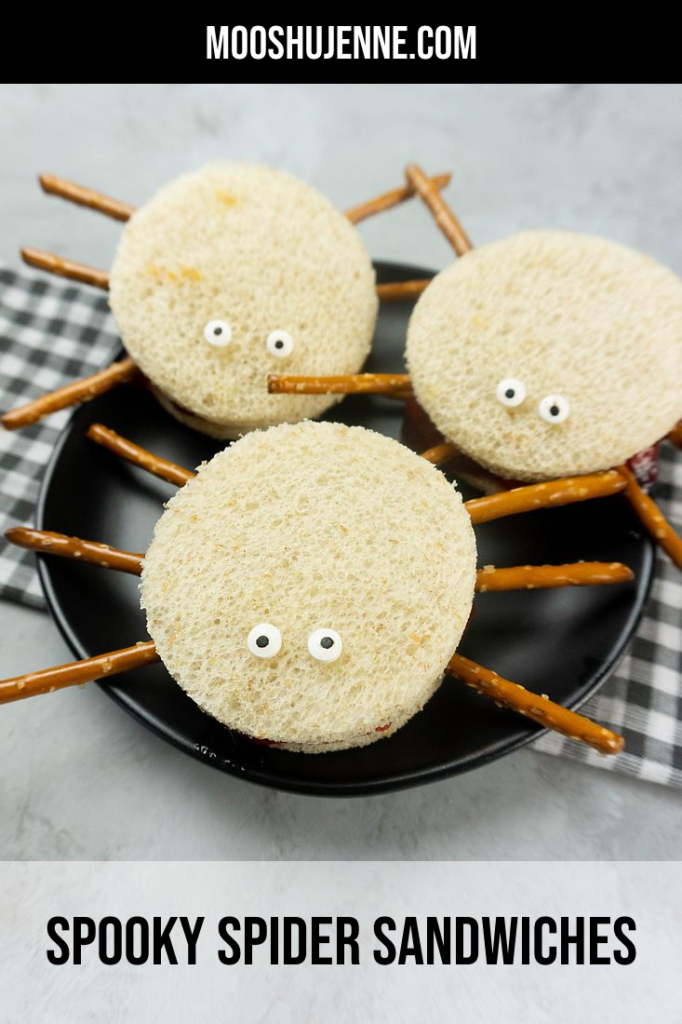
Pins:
<point x="311" y="526"/>
<point x="262" y="251"/>
<point x="566" y="314"/>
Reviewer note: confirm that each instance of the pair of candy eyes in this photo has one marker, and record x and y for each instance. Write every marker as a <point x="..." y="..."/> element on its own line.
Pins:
<point x="265" y="641"/>
<point x="552" y="408"/>
<point x="219" y="334"/>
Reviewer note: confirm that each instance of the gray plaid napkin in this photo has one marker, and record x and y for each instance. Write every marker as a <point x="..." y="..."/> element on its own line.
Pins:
<point x="51" y="333"/>
<point x="643" y="699"/>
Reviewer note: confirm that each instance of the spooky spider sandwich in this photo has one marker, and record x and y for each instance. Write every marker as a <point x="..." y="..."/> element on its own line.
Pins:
<point x="544" y="355"/>
<point x="309" y="586"/>
<point x="224" y="275"/>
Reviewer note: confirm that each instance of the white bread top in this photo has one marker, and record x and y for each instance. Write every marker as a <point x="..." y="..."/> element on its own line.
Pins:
<point x="297" y="529"/>
<point x="589" y="326"/>
<point x="234" y="272"/>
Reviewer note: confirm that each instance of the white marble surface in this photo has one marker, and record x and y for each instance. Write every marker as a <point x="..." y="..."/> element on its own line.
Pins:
<point x="79" y="778"/>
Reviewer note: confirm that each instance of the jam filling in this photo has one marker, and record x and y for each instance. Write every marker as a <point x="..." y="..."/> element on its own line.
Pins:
<point x="419" y="433"/>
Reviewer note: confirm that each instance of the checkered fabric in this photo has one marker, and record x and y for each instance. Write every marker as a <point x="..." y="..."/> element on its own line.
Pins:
<point x="643" y="699"/>
<point x="51" y="333"/>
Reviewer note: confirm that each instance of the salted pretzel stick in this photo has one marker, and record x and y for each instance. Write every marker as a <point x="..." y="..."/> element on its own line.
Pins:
<point x="439" y="454"/>
<point x="65" y="268"/>
<point x="73" y="547"/>
<point x="399" y="291"/>
<point x="540" y="709"/>
<point x="546" y="495"/>
<point x="402" y="291"/>
<point x="543" y="577"/>
<point x="395" y="385"/>
<point x="72" y="394"/>
<point x="77" y="672"/>
<point x="83" y="196"/>
<point x="392" y="198"/>
<point x="652" y="518"/>
<point x="443" y="215"/>
<point x="675" y="435"/>
<point x="126" y="449"/>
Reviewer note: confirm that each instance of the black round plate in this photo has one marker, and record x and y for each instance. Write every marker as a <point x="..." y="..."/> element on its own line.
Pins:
<point x="563" y="642"/>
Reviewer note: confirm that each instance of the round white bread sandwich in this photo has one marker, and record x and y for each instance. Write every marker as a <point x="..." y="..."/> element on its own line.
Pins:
<point x="310" y="585"/>
<point x="549" y="354"/>
<point x="234" y="272"/>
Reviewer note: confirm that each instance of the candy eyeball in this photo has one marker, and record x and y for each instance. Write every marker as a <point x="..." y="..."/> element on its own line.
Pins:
<point x="218" y="333"/>
<point x="280" y="344"/>
<point x="510" y="392"/>
<point x="325" y="644"/>
<point x="264" y="640"/>
<point x="554" y="409"/>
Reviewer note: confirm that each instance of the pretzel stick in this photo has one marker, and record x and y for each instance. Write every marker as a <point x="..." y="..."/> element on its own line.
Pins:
<point x="65" y="268"/>
<point x="402" y="291"/>
<point x="545" y="495"/>
<point x="443" y="215"/>
<point x="439" y="454"/>
<point x="390" y="199"/>
<point x="675" y="435"/>
<point x="77" y="672"/>
<point x="543" y="577"/>
<point x="540" y="709"/>
<point x="71" y="394"/>
<point x="398" y="291"/>
<point x="396" y="385"/>
<point x="126" y="449"/>
<point x="73" y="547"/>
<point x="83" y="196"/>
<point x="652" y="518"/>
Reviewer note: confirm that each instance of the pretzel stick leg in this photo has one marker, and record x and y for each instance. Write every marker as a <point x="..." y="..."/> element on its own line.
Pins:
<point x="49" y="543"/>
<point x="389" y="199"/>
<point x="543" y="577"/>
<point x="65" y="268"/>
<point x="138" y="456"/>
<point x="83" y="196"/>
<point x="439" y="454"/>
<point x="545" y="495"/>
<point x="540" y="709"/>
<point x="443" y="215"/>
<point x="395" y="385"/>
<point x="403" y="291"/>
<point x="77" y="672"/>
<point x="652" y="518"/>
<point x="72" y="394"/>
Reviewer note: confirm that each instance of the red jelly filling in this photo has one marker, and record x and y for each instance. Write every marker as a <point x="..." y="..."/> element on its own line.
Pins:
<point x="419" y="433"/>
